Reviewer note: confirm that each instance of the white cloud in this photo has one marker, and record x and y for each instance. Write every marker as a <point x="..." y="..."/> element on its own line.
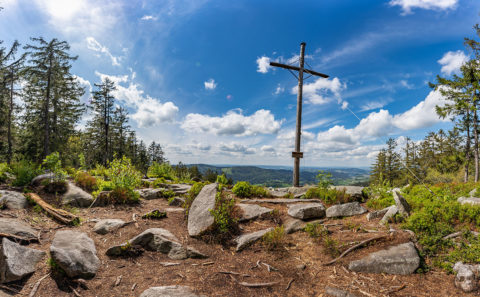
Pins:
<point x="94" y="45"/>
<point x="318" y="91"/>
<point x="87" y="86"/>
<point x="289" y="135"/>
<point x="374" y="105"/>
<point x="236" y="148"/>
<point x="263" y="64"/>
<point x="452" y="61"/>
<point x="405" y="84"/>
<point x="149" y="111"/>
<point x="233" y="123"/>
<point x="210" y="84"/>
<point x="267" y="148"/>
<point x="149" y="18"/>
<point x="407" y="5"/>
<point x="279" y="89"/>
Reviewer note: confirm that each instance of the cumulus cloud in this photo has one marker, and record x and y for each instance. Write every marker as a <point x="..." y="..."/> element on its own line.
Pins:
<point x="322" y="90"/>
<point x="210" y="84"/>
<point x="233" y="123"/>
<point x="94" y="45"/>
<point x="148" y="111"/>
<point x="279" y="90"/>
<point x="452" y="61"/>
<point x="267" y="148"/>
<point x="236" y="148"/>
<point x="149" y="18"/>
<point x="408" y="5"/>
<point x="263" y="64"/>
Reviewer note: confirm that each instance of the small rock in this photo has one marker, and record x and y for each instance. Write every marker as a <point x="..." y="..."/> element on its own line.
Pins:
<point x="17" y="261"/>
<point x="293" y="225"/>
<point x="13" y="200"/>
<point x="399" y="259"/>
<point x="76" y="196"/>
<point x="75" y="253"/>
<point x="391" y="212"/>
<point x="301" y="267"/>
<point x="170" y="291"/>
<point x="252" y="211"/>
<point x="280" y="200"/>
<point x="402" y="204"/>
<point x="18" y="228"/>
<point x="469" y="200"/>
<point x="345" y="210"/>
<point x="176" y="201"/>
<point x="245" y="240"/>
<point x="377" y="214"/>
<point x="199" y="217"/>
<point x="334" y="292"/>
<point x="36" y="181"/>
<point x="307" y="211"/>
<point x="150" y="194"/>
<point x="108" y="225"/>
<point x="179" y="189"/>
<point x="466" y="277"/>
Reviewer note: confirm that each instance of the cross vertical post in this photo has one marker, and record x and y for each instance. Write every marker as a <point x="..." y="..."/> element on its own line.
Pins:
<point x="297" y="154"/>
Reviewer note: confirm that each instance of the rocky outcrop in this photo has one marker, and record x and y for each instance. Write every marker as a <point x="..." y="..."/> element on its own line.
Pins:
<point x="169" y="291"/>
<point x="17" y="261"/>
<point x="13" y="200"/>
<point x="108" y="225"/>
<point x="159" y="240"/>
<point x="377" y="214"/>
<point x="75" y="253"/>
<point x="307" y="211"/>
<point x="466" y="277"/>
<point x="345" y="210"/>
<point x="293" y="225"/>
<point x="391" y="212"/>
<point x="176" y="201"/>
<point x="199" y="217"/>
<point x="402" y="204"/>
<point x="399" y="259"/>
<point x="76" y="196"/>
<point x="252" y="211"/>
<point x="247" y="239"/>
<point x="296" y="192"/>
<point x="36" y="181"/>
<point x="149" y="194"/>
<point x="18" y="228"/>
<point x="355" y="192"/>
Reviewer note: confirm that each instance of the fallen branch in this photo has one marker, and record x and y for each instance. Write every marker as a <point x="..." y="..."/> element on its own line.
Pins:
<point x="37" y="285"/>
<point x="19" y="238"/>
<point x="133" y="287"/>
<point x="234" y="273"/>
<point x="354" y="248"/>
<point x="117" y="282"/>
<point x="289" y="284"/>
<point x="456" y="234"/>
<point x="254" y="285"/>
<point x="59" y="214"/>
<point x="396" y="289"/>
<point x="75" y="292"/>
<point x="269" y="267"/>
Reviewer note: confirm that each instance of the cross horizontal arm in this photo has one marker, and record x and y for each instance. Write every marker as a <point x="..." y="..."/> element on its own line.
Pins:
<point x="275" y="64"/>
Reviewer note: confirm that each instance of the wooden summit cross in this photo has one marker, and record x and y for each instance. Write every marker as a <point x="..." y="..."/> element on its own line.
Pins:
<point x="297" y="154"/>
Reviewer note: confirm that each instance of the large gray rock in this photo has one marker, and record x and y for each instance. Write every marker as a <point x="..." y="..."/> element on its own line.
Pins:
<point x="307" y="211"/>
<point x="402" y="204"/>
<point x="345" y="210"/>
<point x="354" y="191"/>
<point x="149" y="193"/>
<point x="334" y="292"/>
<point x="75" y="253"/>
<point x="293" y="225"/>
<point x="159" y="240"/>
<point x="297" y="192"/>
<point x="76" y="196"/>
<point x="13" y="200"/>
<point x="469" y="200"/>
<point x="280" y="201"/>
<point x="466" y="277"/>
<point x="391" y="212"/>
<point x="199" y="217"/>
<point x="108" y="225"/>
<point x="176" y="201"/>
<point x="399" y="259"/>
<point x="179" y="189"/>
<point x="170" y="291"/>
<point x="36" y="181"/>
<point x="377" y="214"/>
<point x="18" y="228"/>
<point x="252" y="211"/>
<point x="247" y="239"/>
<point x="17" y="261"/>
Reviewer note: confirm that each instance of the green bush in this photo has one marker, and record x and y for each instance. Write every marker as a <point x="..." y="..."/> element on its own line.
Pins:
<point x="53" y="163"/>
<point x="329" y="195"/>
<point x="274" y="239"/>
<point x="259" y="191"/>
<point x="222" y="179"/>
<point x="380" y="197"/>
<point x="223" y="214"/>
<point x="324" y="179"/>
<point x="99" y="170"/>
<point x="86" y="181"/>
<point x="242" y="189"/>
<point x="4" y="170"/>
<point x="158" y="183"/>
<point x="163" y="170"/>
<point x="24" y="172"/>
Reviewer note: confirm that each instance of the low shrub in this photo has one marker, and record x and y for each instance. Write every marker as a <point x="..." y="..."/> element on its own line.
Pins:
<point x="192" y="193"/>
<point x="329" y="195"/>
<point x="380" y="197"/>
<point x="85" y="181"/>
<point x="223" y="214"/>
<point x="53" y="164"/>
<point x="24" y="172"/>
<point x="155" y="215"/>
<point x="158" y="183"/>
<point x="318" y="232"/>
<point x="222" y="179"/>
<point x="245" y="190"/>
<point x="99" y="170"/>
<point x="163" y="170"/>
<point x="274" y="239"/>
<point x="4" y="170"/>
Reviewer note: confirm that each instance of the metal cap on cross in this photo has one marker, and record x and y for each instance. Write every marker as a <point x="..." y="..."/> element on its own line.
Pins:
<point x="297" y="154"/>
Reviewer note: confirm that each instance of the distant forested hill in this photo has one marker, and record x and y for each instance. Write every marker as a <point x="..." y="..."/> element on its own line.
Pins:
<point x="283" y="177"/>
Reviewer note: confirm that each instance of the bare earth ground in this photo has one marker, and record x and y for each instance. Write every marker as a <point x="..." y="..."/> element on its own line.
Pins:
<point x="203" y="275"/>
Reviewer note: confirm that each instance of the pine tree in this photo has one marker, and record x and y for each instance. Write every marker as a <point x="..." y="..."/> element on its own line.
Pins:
<point x="120" y="129"/>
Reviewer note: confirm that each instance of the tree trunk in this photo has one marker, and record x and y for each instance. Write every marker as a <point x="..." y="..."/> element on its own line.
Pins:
<point x="467" y="149"/>
<point x="46" y="135"/>
<point x="9" y="128"/>
<point x="475" y="136"/>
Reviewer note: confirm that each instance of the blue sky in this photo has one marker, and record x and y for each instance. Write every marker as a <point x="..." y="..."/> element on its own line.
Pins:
<point x="194" y="74"/>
